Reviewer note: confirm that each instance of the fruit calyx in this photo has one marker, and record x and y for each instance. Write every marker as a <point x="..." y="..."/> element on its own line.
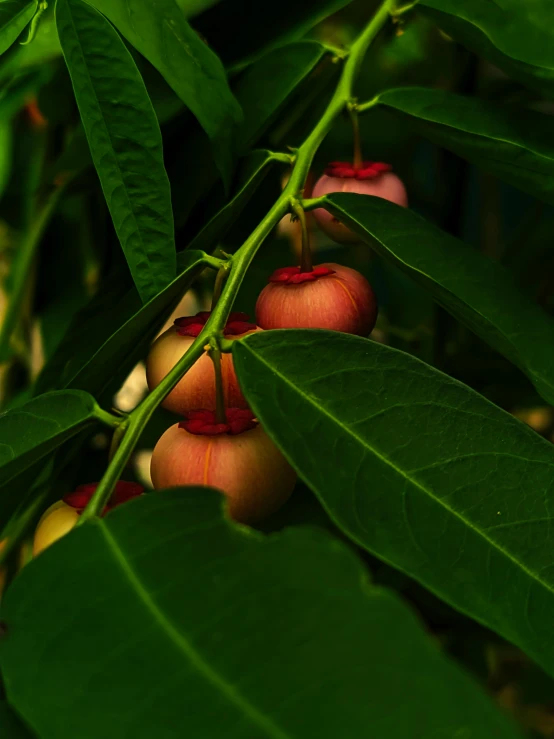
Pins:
<point x="123" y="492"/>
<point x="367" y="170"/>
<point x="204" y="423"/>
<point x="295" y="275"/>
<point x="237" y="323"/>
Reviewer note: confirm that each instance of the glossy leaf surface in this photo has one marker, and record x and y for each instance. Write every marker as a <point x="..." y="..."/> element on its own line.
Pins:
<point x="125" y="142"/>
<point x="421" y="470"/>
<point x="514" y="35"/>
<point x="34" y="429"/>
<point x="506" y="140"/>
<point x="14" y="16"/>
<point x="250" y="636"/>
<point x="161" y="34"/>
<point x="477" y="291"/>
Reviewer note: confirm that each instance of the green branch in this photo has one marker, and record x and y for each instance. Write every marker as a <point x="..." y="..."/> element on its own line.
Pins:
<point x="240" y="262"/>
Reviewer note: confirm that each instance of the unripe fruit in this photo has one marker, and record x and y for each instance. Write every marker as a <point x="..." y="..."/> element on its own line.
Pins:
<point x="330" y="296"/>
<point x="62" y="516"/>
<point x="236" y="457"/>
<point x="197" y="388"/>
<point x="372" y="178"/>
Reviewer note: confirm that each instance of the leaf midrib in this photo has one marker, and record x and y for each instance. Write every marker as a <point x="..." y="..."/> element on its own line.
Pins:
<point x="174" y="635"/>
<point x="429" y="493"/>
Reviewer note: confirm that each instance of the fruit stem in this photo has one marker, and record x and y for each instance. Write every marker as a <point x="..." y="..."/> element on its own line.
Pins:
<point x="357" y="159"/>
<point x="241" y="261"/>
<point x="306" y="258"/>
<point x="220" y="280"/>
<point x="215" y="354"/>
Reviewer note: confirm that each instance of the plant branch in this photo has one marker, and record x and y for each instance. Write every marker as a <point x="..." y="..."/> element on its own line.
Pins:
<point x="240" y="262"/>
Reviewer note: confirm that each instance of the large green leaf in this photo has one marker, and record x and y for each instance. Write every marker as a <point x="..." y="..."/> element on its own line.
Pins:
<point x="421" y="470"/>
<point x="112" y="332"/>
<point x="33" y="430"/>
<point x="14" y="16"/>
<point x="161" y="34"/>
<point x="515" y="35"/>
<point x="510" y="142"/>
<point x="479" y="292"/>
<point x="262" y="90"/>
<point x="125" y="142"/>
<point x="11" y="726"/>
<point x="210" y="630"/>
<point x="255" y="35"/>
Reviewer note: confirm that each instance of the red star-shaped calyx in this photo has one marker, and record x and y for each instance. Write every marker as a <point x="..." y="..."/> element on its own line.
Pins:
<point x="295" y="275"/>
<point x="237" y="323"/>
<point x="203" y="422"/>
<point x="367" y="171"/>
<point x="123" y="492"/>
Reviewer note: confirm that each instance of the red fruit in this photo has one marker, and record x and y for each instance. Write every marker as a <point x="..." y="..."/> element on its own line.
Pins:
<point x="62" y="516"/>
<point x="331" y="296"/>
<point x="197" y="388"/>
<point x="372" y="178"/>
<point x="236" y="457"/>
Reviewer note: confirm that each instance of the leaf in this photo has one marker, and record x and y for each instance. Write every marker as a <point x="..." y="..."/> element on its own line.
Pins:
<point x="506" y="140"/>
<point x="417" y="468"/>
<point x="5" y="154"/>
<point x="11" y="726"/>
<point x="262" y="90"/>
<point x="480" y="293"/>
<point x="112" y="333"/>
<point x="506" y="32"/>
<point x="14" y="16"/>
<point x="125" y="142"/>
<point x="161" y="34"/>
<point x="33" y="430"/>
<point x="254" y="36"/>
<point x="264" y="87"/>
<point x="222" y="632"/>
<point x="254" y="168"/>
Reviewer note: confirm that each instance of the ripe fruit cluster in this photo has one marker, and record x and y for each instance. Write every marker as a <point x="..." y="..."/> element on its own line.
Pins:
<point x="226" y="448"/>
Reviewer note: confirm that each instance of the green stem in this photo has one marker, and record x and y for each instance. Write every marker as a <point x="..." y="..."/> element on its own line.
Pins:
<point x="215" y="354"/>
<point x="363" y="107"/>
<point x="357" y="159"/>
<point x="306" y="259"/>
<point x="239" y="265"/>
<point x="23" y="263"/>
<point x="221" y="278"/>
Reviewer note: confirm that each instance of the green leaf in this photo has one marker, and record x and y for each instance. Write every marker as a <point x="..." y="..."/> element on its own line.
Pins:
<point x="262" y="90"/>
<point x="216" y="631"/>
<point x="11" y="727"/>
<point x="161" y="34"/>
<point x="516" y="36"/>
<point x="480" y="293"/>
<point x="264" y="87"/>
<point x="254" y="36"/>
<point x="125" y="142"/>
<point x="5" y="154"/>
<point x="506" y="140"/>
<point x="417" y="468"/>
<point x="33" y="430"/>
<point x="14" y="16"/>
<point x="112" y="333"/>
<point x="253" y="170"/>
